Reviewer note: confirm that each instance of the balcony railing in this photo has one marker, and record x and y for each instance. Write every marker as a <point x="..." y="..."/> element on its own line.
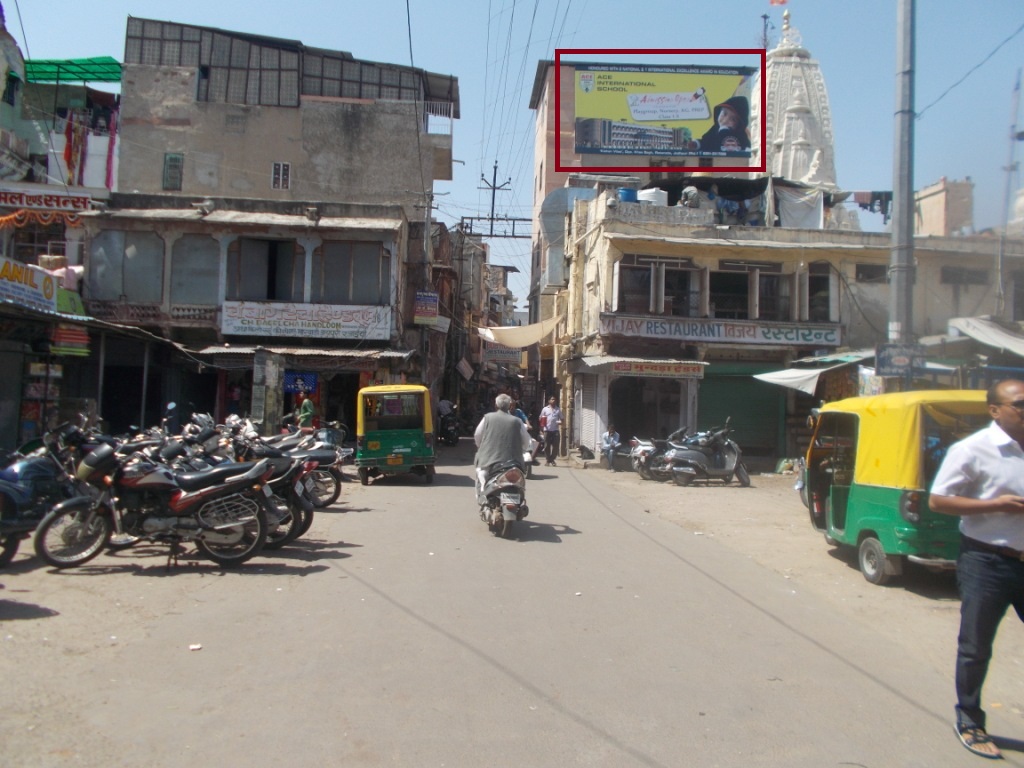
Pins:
<point x="131" y="313"/>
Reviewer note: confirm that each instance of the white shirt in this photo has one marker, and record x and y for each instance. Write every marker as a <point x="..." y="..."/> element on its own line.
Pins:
<point x="985" y="465"/>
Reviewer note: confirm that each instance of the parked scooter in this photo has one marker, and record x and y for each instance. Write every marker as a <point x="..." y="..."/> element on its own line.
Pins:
<point x="710" y="455"/>
<point x="504" y="498"/>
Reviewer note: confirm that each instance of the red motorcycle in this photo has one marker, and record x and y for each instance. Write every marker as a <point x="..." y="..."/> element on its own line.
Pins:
<point x="223" y="510"/>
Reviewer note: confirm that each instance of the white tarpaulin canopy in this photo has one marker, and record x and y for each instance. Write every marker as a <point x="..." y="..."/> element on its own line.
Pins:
<point x="987" y="332"/>
<point x="803" y="379"/>
<point x="519" y="335"/>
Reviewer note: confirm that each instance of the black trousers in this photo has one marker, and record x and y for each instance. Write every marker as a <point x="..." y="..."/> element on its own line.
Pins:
<point x="551" y="444"/>
<point x="989" y="584"/>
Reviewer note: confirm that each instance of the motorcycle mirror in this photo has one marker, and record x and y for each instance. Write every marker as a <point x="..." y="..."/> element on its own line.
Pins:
<point x="171" y="406"/>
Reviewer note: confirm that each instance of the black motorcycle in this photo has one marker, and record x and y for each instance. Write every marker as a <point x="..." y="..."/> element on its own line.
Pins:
<point x="449" y="428"/>
<point x="32" y="483"/>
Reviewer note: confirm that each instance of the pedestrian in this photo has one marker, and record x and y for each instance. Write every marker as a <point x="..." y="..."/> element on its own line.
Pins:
<point x="981" y="479"/>
<point x="307" y="410"/>
<point x="550" y="424"/>
<point x="609" y="443"/>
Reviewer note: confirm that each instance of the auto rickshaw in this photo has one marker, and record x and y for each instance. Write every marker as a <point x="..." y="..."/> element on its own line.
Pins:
<point x="868" y="469"/>
<point x="394" y="432"/>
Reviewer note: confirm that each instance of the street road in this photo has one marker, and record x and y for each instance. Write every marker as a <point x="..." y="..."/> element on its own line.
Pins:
<point x="400" y="632"/>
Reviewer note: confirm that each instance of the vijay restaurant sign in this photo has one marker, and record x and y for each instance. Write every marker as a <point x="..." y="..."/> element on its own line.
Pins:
<point x="725" y="331"/>
<point x="27" y="285"/>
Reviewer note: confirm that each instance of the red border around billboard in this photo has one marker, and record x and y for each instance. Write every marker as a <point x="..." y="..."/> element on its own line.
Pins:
<point x="559" y="52"/>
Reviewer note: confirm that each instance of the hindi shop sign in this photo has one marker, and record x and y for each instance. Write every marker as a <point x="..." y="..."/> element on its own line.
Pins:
<point x="658" y="370"/>
<point x="27" y="285"/>
<point x="725" y="331"/>
<point x="312" y="321"/>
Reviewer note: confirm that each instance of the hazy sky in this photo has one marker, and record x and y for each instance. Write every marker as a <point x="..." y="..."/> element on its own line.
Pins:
<point x="493" y="46"/>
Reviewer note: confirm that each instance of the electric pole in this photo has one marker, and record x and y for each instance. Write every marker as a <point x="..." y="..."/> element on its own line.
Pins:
<point x="901" y="260"/>
<point x="494" y="187"/>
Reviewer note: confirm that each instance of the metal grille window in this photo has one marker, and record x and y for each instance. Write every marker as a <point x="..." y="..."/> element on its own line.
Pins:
<point x="281" y="176"/>
<point x="174" y="171"/>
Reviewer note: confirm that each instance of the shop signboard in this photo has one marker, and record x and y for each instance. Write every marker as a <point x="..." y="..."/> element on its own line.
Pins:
<point x="27" y="285"/>
<point x="727" y="331"/>
<point x="898" y="359"/>
<point x="658" y="370"/>
<point x="315" y="321"/>
<point x="425" y="311"/>
<point x="496" y="353"/>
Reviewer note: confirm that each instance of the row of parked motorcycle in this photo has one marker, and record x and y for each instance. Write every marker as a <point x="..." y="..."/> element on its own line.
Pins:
<point x="685" y="458"/>
<point x="223" y="488"/>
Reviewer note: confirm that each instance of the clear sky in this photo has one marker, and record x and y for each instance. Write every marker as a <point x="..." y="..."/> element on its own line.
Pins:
<point x="493" y="46"/>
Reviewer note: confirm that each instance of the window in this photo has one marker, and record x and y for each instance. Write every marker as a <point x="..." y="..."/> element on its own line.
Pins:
<point x="126" y="265"/>
<point x="351" y="273"/>
<point x="647" y="285"/>
<point x="729" y="295"/>
<point x="174" y="171"/>
<point x="265" y="270"/>
<point x="964" y="276"/>
<point x="872" y="273"/>
<point x="819" y="293"/>
<point x="11" y="89"/>
<point x="281" y="176"/>
<point x="195" y="270"/>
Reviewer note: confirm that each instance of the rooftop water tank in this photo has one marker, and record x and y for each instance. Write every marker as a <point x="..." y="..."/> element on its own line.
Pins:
<point x="653" y="196"/>
<point x="627" y="195"/>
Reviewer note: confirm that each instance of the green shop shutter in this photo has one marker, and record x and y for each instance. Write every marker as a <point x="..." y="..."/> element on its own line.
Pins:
<point x="756" y="409"/>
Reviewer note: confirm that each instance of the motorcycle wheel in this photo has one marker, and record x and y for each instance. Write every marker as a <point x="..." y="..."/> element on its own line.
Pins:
<point x="502" y="529"/>
<point x="67" y="538"/>
<point x="328" y="487"/>
<point x="287" y="530"/>
<point x="742" y="475"/>
<point x="682" y="478"/>
<point x="364" y="476"/>
<point x="8" y="549"/>
<point x="246" y="540"/>
<point x="307" y="522"/>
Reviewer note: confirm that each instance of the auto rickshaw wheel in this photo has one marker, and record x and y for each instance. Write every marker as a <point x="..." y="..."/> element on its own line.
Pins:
<point x="873" y="561"/>
<point x="428" y="475"/>
<point x="364" y="475"/>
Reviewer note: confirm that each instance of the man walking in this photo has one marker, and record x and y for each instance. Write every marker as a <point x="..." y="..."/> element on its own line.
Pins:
<point x="982" y="480"/>
<point x="551" y="423"/>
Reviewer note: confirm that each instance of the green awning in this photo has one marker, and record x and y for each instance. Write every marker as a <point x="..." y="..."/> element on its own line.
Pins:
<point x="100" y="69"/>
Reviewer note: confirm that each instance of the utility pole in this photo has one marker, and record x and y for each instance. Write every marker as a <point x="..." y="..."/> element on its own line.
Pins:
<point x="1011" y="168"/>
<point x="494" y="187"/>
<point x="901" y="261"/>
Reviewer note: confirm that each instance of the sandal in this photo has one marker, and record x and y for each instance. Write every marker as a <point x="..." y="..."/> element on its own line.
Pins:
<point x="978" y="741"/>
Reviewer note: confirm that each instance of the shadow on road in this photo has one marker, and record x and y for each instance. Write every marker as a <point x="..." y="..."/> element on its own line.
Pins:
<point x="542" y="532"/>
<point x="11" y="610"/>
<point x="929" y="584"/>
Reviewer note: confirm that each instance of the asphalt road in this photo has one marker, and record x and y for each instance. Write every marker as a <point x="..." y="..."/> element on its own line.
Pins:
<point x="400" y="632"/>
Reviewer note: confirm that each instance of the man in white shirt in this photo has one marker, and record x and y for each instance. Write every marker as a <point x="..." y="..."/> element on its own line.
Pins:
<point x="982" y="480"/>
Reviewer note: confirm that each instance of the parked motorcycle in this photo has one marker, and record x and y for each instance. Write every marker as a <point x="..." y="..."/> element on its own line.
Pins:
<point x="653" y="459"/>
<point x="710" y="455"/>
<point x="32" y="483"/>
<point x="222" y="510"/>
<point x="504" y="498"/>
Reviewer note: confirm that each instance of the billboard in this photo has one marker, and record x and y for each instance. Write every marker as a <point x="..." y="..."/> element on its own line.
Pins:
<point x="663" y="111"/>
<point x="668" y="109"/>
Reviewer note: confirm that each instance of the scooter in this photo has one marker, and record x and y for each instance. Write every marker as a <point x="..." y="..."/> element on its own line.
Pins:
<point x="710" y="455"/>
<point x="503" y="500"/>
<point x="653" y="459"/>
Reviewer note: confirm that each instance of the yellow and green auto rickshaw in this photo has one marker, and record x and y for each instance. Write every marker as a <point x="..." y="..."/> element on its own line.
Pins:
<point x="869" y="466"/>
<point x="394" y="432"/>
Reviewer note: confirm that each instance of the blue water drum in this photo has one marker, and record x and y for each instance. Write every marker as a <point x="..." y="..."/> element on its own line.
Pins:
<point x="627" y="195"/>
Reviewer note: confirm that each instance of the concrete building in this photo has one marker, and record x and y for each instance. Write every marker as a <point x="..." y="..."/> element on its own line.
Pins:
<point x="675" y="296"/>
<point x="269" y="218"/>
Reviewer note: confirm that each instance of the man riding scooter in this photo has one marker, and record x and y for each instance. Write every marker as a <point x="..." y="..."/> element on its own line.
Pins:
<point x="500" y="437"/>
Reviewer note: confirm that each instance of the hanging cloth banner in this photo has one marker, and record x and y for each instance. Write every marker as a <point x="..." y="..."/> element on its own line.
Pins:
<point x="519" y="335"/>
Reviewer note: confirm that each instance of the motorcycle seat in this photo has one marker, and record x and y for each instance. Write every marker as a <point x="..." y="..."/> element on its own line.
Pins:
<point x="192" y="481"/>
<point x="322" y="456"/>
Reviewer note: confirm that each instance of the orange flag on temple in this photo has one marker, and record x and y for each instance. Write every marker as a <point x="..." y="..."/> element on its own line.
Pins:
<point x="778" y="2"/>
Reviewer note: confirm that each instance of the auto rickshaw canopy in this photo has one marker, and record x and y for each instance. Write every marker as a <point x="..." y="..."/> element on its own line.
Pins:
<point x="890" y="450"/>
<point x="394" y="400"/>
